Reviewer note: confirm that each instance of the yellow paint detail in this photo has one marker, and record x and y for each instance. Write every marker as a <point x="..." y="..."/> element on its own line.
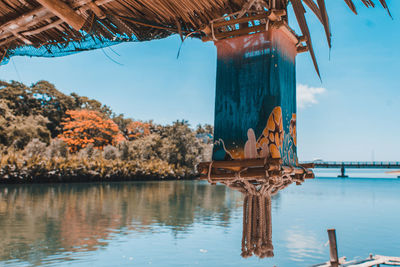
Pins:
<point x="277" y="140"/>
<point x="275" y="154"/>
<point x="272" y="135"/>
<point x="270" y="126"/>
<point x="237" y="153"/>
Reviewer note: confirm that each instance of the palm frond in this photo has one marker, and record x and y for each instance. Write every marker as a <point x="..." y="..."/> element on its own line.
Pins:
<point x="299" y="12"/>
<point x="385" y="6"/>
<point x="325" y="18"/>
<point x="314" y="8"/>
<point x="351" y="6"/>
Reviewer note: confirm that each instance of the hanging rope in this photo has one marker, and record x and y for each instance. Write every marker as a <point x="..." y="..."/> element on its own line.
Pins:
<point x="257" y="227"/>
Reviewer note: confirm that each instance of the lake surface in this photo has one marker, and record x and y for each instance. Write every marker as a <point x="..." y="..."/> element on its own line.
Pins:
<point x="191" y="223"/>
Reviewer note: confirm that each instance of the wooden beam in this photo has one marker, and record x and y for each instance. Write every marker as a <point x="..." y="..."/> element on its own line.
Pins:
<point x="240" y="163"/>
<point x="96" y="10"/>
<point x="302" y="49"/>
<point x="303" y="39"/>
<point x="37" y="15"/>
<point x="3" y="54"/>
<point x="334" y="259"/>
<point x="287" y="30"/>
<point x="276" y="14"/>
<point x="15" y="25"/>
<point x="388" y="257"/>
<point x="102" y="2"/>
<point x="248" y="174"/>
<point x="241" y="20"/>
<point x="307" y="165"/>
<point x="19" y="36"/>
<point x="374" y="262"/>
<point x="20" y="26"/>
<point x="293" y="170"/>
<point x="44" y="28"/>
<point x="64" y="12"/>
<point x="239" y="32"/>
<point x="309" y="175"/>
<point x="8" y="40"/>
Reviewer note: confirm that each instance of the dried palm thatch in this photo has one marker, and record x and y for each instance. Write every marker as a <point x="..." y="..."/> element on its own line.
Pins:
<point x="60" y="27"/>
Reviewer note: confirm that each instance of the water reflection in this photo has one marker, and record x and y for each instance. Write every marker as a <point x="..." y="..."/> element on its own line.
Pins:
<point x="257" y="217"/>
<point x="152" y="223"/>
<point x="38" y="221"/>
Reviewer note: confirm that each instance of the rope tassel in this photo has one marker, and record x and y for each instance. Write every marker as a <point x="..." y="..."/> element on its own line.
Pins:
<point x="257" y="226"/>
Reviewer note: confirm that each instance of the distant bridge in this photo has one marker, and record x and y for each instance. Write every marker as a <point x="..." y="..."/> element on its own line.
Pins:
<point x="352" y="164"/>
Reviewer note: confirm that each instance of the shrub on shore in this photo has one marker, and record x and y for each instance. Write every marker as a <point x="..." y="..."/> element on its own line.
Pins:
<point x="47" y="136"/>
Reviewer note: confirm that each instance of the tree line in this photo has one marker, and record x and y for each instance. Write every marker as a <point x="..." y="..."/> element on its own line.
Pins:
<point x="46" y="135"/>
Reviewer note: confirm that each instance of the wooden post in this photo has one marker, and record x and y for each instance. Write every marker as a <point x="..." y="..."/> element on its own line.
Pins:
<point x="64" y="12"/>
<point x="333" y="248"/>
<point x="255" y="99"/>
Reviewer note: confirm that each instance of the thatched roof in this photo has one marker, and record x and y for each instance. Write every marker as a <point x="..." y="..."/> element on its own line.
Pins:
<point x="60" y="27"/>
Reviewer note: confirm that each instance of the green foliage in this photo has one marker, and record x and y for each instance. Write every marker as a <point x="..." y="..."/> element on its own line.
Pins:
<point x="124" y="150"/>
<point x="35" y="148"/>
<point x="204" y="129"/>
<point x="89" y="152"/>
<point x="19" y="130"/>
<point x="57" y="148"/>
<point x="146" y="148"/>
<point x="21" y="166"/>
<point x="180" y="146"/>
<point x="110" y="152"/>
<point x="121" y="122"/>
<point x="32" y="117"/>
<point x="42" y="98"/>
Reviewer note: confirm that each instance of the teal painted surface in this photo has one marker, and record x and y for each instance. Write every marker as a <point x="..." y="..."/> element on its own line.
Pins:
<point x="251" y="81"/>
<point x="189" y="223"/>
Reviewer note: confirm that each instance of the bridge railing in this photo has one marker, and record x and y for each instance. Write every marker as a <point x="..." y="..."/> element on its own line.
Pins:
<point x="355" y="163"/>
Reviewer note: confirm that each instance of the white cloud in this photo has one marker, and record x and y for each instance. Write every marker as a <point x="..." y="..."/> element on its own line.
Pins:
<point x="307" y="96"/>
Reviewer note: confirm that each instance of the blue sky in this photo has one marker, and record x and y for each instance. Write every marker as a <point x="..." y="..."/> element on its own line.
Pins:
<point x="352" y="115"/>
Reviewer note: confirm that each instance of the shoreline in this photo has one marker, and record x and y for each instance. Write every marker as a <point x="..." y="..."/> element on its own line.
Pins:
<point x="139" y="178"/>
<point x="88" y="179"/>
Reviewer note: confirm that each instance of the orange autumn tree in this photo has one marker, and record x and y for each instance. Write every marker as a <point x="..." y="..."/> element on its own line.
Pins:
<point x="84" y="127"/>
<point x="137" y="129"/>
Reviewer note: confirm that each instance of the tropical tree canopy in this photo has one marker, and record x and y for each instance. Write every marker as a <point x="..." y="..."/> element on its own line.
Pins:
<point x="84" y="127"/>
<point x="42" y="98"/>
<point x="137" y="129"/>
<point x="46" y="135"/>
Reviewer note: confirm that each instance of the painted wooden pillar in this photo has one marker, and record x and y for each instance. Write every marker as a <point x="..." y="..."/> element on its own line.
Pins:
<point x="255" y="106"/>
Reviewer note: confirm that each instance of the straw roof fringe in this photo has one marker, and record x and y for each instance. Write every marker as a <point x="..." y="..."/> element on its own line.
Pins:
<point x="60" y="27"/>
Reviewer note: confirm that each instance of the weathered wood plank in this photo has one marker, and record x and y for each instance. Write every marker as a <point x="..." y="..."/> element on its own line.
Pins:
<point x="64" y="12"/>
<point x="334" y="259"/>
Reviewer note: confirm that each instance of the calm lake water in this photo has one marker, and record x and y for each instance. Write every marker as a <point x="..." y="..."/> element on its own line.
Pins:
<point x="189" y="223"/>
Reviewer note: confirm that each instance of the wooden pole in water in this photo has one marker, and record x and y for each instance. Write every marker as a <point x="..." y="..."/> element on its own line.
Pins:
<point x="333" y="248"/>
